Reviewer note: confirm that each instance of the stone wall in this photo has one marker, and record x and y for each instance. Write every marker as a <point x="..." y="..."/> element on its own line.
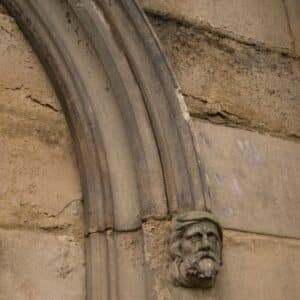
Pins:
<point x="241" y="81"/>
<point x="239" y="70"/>
<point x="238" y="67"/>
<point x="41" y="222"/>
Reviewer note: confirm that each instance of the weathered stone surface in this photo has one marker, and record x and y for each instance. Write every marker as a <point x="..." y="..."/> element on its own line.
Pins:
<point x="38" y="266"/>
<point x="115" y="264"/>
<point x="20" y="68"/>
<point x="255" y="21"/>
<point x="231" y="83"/>
<point x="40" y="186"/>
<point x="293" y="12"/>
<point x="38" y="174"/>
<point x="254" y="267"/>
<point x="195" y="249"/>
<point x="252" y="180"/>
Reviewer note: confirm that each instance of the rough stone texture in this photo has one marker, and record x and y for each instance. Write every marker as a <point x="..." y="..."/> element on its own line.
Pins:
<point x="293" y="13"/>
<point x="118" y="264"/>
<point x="224" y="81"/>
<point x="38" y="266"/>
<point x="39" y="180"/>
<point x="231" y="83"/>
<point x="38" y="170"/>
<point x="41" y="237"/>
<point x="252" y="180"/>
<point x="261" y="22"/>
<point x="255" y="267"/>
<point x="20" y="68"/>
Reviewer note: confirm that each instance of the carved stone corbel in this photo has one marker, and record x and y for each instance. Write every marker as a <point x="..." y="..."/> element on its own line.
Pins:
<point x="195" y="249"/>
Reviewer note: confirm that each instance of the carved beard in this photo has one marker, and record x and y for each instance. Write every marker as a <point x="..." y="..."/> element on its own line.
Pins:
<point x="199" y="269"/>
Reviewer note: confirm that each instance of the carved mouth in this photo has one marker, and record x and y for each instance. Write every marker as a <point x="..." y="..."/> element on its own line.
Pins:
<point x="208" y="255"/>
<point x="199" y="268"/>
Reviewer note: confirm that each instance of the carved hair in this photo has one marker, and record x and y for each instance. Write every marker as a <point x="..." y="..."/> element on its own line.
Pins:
<point x="181" y="223"/>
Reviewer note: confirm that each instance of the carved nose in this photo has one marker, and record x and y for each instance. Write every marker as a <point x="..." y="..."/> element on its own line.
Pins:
<point x="205" y="243"/>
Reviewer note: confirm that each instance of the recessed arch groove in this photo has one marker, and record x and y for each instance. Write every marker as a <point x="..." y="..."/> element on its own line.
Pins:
<point x="134" y="147"/>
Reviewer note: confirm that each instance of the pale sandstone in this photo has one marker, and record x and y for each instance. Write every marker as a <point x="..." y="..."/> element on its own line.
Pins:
<point x="40" y="189"/>
<point x="262" y="22"/>
<point x="293" y="13"/>
<point x="117" y="267"/>
<point x="41" y="235"/>
<point x="254" y="267"/>
<point x="38" y="173"/>
<point x="230" y="83"/>
<point x="251" y="180"/>
<point x="20" y="68"/>
<point x="37" y="266"/>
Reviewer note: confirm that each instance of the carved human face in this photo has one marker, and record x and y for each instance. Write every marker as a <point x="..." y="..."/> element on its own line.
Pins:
<point x="203" y="237"/>
<point x="201" y="254"/>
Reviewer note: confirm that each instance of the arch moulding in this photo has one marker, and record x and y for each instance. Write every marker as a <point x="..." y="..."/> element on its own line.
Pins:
<point x="132" y="140"/>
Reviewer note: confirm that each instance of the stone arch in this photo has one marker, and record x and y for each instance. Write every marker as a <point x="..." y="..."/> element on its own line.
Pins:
<point x="132" y="138"/>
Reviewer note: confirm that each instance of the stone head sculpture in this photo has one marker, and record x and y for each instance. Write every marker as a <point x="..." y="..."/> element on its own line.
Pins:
<point x="195" y="249"/>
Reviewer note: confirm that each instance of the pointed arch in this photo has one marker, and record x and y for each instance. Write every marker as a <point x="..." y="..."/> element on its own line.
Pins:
<point x="134" y="147"/>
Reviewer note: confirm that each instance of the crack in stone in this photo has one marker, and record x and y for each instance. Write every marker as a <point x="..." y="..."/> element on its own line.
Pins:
<point x="65" y="207"/>
<point x="37" y="226"/>
<point x="17" y="88"/>
<point x="33" y="99"/>
<point x="229" y="119"/>
<point x="111" y="230"/>
<point x="34" y="228"/>
<point x="47" y="105"/>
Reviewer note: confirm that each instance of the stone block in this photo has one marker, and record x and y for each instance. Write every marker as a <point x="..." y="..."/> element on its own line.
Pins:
<point x="115" y="261"/>
<point x="254" y="267"/>
<point x="20" y="68"/>
<point x="261" y="22"/>
<point x="252" y="180"/>
<point x="38" y="173"/>
<point x="37" y="265"/>
<point x="230" y="83"/>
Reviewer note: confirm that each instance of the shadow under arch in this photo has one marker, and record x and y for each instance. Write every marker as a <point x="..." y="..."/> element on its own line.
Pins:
<point x="134" y="147"/>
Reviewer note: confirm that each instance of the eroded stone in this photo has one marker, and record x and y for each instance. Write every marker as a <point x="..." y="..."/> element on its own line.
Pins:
<point x="230" y="83"/>
<point x="20" y="67"/>
<point x="254" y="21"/>
<point x="39" y="178"/>
<point x="38" y="266"/>
<point x="195" y="249"/>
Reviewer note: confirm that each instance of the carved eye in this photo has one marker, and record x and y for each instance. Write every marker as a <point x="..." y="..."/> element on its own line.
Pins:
<point x="195" y="238"/>
<point x="212" y="237"/>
